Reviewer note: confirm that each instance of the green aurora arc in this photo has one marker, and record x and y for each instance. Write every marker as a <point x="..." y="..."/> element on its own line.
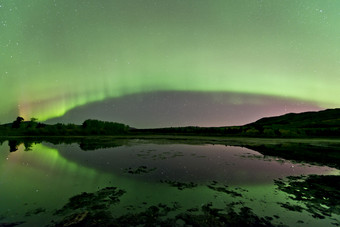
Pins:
<point x="56" y="55"/>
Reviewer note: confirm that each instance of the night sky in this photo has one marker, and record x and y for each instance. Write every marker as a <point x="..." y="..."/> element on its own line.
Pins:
<point x="74" y="55"/>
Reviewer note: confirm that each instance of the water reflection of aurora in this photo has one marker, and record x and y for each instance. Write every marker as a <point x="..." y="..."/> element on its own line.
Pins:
<point x="47" y="177"/>
<point x="42" y="175"/>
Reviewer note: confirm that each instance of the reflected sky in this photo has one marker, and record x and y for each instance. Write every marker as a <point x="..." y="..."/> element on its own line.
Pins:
<point x="40" y="177"/>
<point x="48" y="175"/>
<point x="199" y="163"/>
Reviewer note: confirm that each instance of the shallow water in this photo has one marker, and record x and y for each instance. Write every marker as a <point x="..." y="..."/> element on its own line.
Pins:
<point x="159" y="183"/>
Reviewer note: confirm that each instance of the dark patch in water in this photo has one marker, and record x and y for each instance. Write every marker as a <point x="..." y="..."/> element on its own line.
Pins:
<point x="139" y="170"/>
<point x="216" y="217"/>
<point x="261" y="157"/>
<point x="35" y="211"/>
<point x="93" y="209"/>
<point x="321" y="153"/>
<point x="198" y="156"/>
<point x="151" y="216"/>
<point x="194" y="209"/>
<point x="291" y="207"/>
<point x="180" y="185"/>
<point x="159" y="156"/>
<point x="223" y="189"/>
<point x="101" y="199"/>
<point x="11" y="224"/>
<point x="320" y="194"/>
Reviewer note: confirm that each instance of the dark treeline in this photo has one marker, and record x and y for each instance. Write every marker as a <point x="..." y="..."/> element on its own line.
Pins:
<point x="89" y="127"/>
<point x="324" y="123"/>
<point x="270" y="131"/>
<point x="304" y="125"/>
<point x="96" y="127"/>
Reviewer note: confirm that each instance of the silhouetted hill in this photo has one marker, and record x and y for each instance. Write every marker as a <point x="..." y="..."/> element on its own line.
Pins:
<point x="324" y="118"/>
<point x="324" y="123"/>
<point x="321" y="123"/>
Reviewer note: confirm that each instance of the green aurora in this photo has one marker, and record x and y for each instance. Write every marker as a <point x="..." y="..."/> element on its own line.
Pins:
<point x="57" y="55"/>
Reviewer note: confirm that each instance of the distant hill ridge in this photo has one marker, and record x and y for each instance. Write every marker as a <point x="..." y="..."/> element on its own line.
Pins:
<point x="325" y="123"/>
<point x="322" y="119"/>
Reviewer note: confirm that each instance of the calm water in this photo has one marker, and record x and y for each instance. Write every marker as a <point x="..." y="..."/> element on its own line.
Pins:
<point x="159" y="181"/>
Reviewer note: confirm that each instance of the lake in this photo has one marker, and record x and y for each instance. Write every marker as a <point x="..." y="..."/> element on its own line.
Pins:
<point x="163" y="183"/>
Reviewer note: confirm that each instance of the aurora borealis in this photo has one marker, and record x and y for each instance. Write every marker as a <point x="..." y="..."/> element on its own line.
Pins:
<point x="61" y="54"/>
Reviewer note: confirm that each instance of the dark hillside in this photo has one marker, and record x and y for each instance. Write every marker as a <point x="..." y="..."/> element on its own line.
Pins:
<point x="324" y="119"/>
<point x="324" y="123"/>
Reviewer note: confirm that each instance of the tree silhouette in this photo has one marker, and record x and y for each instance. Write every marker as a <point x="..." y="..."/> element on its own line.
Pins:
<point x="17" y="122"/>
<point x="33" y="119"/>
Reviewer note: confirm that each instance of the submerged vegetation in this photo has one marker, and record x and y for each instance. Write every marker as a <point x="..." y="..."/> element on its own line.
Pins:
<point x="319" y="194"/>
<point x="142" y="193"/>
<point x="93" y="209"/>
<point x="316" y="195"/>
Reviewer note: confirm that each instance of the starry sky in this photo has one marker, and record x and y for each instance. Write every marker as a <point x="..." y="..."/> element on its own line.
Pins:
<point x="56" y="56"/>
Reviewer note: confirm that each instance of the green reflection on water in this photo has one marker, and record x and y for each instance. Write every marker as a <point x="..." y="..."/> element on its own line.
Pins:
<point x="40" y="181"/>
<point x="41" y="178"/>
